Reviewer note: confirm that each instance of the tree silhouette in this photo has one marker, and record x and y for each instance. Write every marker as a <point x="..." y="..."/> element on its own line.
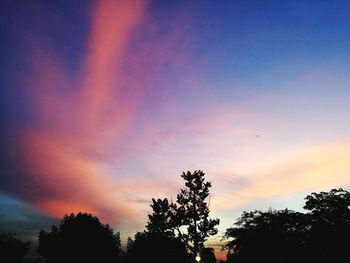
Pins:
<point x="188" y="218"/>
<point x="288" y="236"/>
<point x="193" y="211"/>
<point x="207" y="255"/>
<point x="273" y="236"/>
<point x="156" y="248"/>
<point x="330" y="207"/>
<point x="79" y="238"/>
<point x="330" y="224"/>
<point x="12" y="249"/>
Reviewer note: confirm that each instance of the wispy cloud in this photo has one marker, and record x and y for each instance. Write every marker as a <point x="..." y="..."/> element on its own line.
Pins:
<point x="310" y="168"/>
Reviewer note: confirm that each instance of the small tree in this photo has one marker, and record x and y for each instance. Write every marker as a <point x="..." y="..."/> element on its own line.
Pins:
<point x="188" y="218"/>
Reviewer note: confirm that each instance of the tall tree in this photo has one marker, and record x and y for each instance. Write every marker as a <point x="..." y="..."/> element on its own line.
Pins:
<point x="193" y="210"/>
<point x="188" y="218"/>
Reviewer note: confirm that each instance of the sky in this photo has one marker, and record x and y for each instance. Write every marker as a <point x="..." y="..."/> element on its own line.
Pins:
<point x="105" y="103"/>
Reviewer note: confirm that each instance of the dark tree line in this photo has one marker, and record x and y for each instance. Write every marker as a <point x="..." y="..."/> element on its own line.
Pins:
<point x="12" y="249"/>
<point x="320" y="235"/>
<point x="176" y="232"/>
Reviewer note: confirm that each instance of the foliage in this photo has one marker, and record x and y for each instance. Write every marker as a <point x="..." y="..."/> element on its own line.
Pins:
<point x="156" y="247"/>
<point x="332" y="207"/>
<point x="330" y="224"/>
<point x="12" y="249"/>
<point x="288" y="236"/>
<point x="188" y="218"/>
<point x="193" y="210"/>
<point x="273" y="236"/>
<point x="161" y="220"/>
<point x="79" y="238"/>
<point x="207" y="255"/>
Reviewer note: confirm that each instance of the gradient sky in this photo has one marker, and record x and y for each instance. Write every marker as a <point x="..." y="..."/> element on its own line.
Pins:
<point x="104" y="104"/>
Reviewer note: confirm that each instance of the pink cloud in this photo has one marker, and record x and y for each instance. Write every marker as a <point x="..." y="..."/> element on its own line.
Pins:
<point x="83" y="121"/>
<point x="113" y="21"/>
<point x="61" y="155"/>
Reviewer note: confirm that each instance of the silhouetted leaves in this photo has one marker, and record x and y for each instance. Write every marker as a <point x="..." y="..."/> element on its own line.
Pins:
<point x="288" y="236"/>
<point x="188" y="218"/>
<point x="161" y="220"/>
<point x="79" y="238"/>
<point x="12" y="249"/>
<point x="274" y="236"/>
<point x="330" y="225"/>
<point x="194" y="211"/>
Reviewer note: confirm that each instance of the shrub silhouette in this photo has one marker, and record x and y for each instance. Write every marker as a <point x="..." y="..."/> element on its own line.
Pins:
<point x="79" y="238"/>
<point x="12" y="249"/>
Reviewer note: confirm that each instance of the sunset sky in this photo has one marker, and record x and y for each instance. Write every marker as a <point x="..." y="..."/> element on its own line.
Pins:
<point x="105" y="103"/>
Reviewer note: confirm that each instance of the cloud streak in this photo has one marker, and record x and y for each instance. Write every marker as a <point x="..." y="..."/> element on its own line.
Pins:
<point x="60" y="156"/>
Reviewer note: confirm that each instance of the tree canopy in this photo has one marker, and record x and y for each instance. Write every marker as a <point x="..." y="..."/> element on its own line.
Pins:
<point x="329" y="228"/>
<point x="79" y="238"/>
<point x="288" y="236"/>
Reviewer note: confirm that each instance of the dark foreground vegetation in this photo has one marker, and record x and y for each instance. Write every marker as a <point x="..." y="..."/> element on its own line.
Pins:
<point x="176" y="232"/>
<point x="321" y="235"/>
